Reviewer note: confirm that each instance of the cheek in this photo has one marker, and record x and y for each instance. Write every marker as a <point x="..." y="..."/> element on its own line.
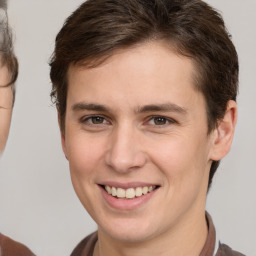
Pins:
<point x="84" y="159"/>
<point x="183" y="161"/>
<point x="6" y="97"/>
<point x="83" y="155"/>
<point x="5" y="120"/>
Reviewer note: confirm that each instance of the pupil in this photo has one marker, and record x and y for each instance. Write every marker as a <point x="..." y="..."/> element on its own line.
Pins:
<point x="160" y="120"/>
<point x="97" y="120"/>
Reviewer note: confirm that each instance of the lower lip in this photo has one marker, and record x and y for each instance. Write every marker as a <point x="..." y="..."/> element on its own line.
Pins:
<point x="126" y="204"/>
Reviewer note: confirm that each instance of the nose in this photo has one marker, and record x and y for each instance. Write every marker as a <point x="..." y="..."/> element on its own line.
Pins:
<point x="125" y="152"/>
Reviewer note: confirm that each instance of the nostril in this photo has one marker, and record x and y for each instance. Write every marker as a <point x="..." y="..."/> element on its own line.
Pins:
<point x="126" y="161"/>
<point x="124" y="152"/>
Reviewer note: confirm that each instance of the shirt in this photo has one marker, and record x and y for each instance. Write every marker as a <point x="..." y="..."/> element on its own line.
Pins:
<point x="86" y="246"/>
<point x="9" y="247"/>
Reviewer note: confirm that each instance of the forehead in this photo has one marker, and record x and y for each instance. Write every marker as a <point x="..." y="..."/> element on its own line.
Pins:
<point x="146" y="72"/>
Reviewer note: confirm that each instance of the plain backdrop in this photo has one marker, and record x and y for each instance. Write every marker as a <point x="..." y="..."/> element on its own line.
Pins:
<point x="37" y="201"/>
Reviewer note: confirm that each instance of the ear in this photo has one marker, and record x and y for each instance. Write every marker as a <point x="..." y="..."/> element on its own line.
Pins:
<point x="223" y="134"/>
<point x="63" y="138"/>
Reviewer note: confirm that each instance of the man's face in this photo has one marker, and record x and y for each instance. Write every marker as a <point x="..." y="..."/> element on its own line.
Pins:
<point x="133" y="124"/>
<point x="6" y="100"/>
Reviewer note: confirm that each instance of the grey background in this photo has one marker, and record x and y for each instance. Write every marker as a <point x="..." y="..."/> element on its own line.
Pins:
<point x="37" y="201"/>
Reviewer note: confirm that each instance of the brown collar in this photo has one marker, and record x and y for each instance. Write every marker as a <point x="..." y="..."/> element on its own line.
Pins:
<point x="207" y="250"/>
<point x="209" y="245"/>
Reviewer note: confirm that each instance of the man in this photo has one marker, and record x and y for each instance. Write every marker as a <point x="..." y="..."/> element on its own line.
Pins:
<point x="8" y="75"/>
<point x="145" y="92"/>
<point x="9" y="71"/>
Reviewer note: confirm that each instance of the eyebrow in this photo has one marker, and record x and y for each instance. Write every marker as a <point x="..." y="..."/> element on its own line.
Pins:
<point x="168" y="107"/>
<point x="89" y="106"/>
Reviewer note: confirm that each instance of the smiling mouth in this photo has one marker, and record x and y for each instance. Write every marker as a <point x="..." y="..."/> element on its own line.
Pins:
<point x="129" y="193"/>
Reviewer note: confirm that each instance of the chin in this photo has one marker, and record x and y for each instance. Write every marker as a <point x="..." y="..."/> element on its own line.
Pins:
<point x="128" y="231"/>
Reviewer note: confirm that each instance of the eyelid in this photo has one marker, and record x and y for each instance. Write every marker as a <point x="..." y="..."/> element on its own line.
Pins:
<point x="87" y="117"/>
<point x="168" y="119"/>
<point x="107" y="121"/>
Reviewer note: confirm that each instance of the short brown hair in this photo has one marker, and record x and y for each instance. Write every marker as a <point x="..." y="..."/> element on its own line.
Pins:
<point x="7" y="56"/>
<point x="99" y="27"/>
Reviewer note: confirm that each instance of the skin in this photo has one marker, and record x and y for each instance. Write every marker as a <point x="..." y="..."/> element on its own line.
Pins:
<point x="6" y="101"/>
<point x="128" y="144"/>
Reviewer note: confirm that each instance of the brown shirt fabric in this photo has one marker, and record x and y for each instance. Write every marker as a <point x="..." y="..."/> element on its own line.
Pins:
<point x="9" y="247"/>
<point x="225" y="250"/>
<point x="86" y="246"/>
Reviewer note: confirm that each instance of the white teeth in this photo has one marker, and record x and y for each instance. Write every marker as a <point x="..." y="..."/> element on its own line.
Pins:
<point x="109" y="190"/>
<point x="138" y="191"/>
<point x="113" y="191"/>
<point x="130" y="192"/>
<point x="120" y="193"/>
<point x="144" y="190"/>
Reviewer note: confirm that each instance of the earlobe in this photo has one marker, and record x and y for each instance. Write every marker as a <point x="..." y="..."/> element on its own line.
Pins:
<point x="223" y="134"/>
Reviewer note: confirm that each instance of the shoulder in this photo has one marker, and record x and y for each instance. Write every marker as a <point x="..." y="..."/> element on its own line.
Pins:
<point x="9" y="247"/>
<point x="225" y="250"/>
<point x="86" y="246"/>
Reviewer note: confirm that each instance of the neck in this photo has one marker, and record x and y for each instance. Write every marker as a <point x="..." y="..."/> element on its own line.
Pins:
<point x="187" y="239"/>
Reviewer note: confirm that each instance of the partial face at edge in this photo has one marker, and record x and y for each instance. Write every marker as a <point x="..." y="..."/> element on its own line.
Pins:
<point x="137" y="121"/>
<point x="6" y="102"/>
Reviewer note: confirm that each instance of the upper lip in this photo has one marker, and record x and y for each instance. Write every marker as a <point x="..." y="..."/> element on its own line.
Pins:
<point x="127" y="184"/>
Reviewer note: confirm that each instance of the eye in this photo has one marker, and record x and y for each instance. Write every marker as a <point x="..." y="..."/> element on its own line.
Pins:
<point x="97" y="119"/>
<point x="160" y="121"/>
<point x="94" y="120"/>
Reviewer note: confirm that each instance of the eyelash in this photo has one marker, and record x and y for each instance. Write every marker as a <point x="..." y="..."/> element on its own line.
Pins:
<point x="86" y="119"/>
<point x="167" y="121"/>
